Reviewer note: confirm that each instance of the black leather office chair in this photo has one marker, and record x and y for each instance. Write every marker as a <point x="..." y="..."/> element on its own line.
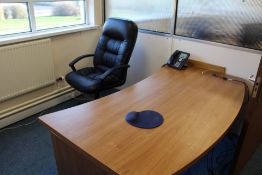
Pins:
<point x="111" y="58"/>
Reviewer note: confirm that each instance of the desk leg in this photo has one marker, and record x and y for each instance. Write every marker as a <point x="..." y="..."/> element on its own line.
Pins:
<point x="71" y="161"/>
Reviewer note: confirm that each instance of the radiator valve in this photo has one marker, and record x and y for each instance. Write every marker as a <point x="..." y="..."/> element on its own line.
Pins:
<point x="61" y="78"/>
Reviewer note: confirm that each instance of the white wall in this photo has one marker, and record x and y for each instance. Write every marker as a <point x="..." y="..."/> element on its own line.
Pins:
<point x="67" y="47"/>
<point x="152" y="51"/>
<point x="238" y="63"/>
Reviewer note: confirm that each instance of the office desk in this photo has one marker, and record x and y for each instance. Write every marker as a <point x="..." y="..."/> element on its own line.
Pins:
<point x="94" y="138"/>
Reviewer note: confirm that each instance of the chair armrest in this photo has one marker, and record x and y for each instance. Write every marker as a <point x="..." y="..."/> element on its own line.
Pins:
<point x="111" y="70"/>
<point x="72" y="63"/>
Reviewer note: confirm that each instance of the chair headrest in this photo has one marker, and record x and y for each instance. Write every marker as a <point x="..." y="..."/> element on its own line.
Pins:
<point x="120" y="29"/>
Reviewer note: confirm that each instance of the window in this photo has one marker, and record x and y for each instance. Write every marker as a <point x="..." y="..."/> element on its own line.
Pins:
<point x="59" y="14"/>
<point x="36" y="15"/>
<point x="154" y="15"/>
<point x="13" y="18"/>
<point x="234" y="22"/>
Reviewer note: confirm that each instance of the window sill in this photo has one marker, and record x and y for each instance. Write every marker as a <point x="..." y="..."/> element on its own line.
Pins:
<point x="44" y="34"/>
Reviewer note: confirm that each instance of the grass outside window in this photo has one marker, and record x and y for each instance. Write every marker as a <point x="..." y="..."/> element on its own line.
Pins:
<point x="16" y="18"/>
<point x="21" y="25"/>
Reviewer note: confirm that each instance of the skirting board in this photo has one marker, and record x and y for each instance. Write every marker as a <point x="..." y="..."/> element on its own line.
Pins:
<point x="36" y="109"/>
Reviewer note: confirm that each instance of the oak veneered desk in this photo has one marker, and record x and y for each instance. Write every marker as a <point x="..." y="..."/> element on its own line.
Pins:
<point x="94" y="138"/>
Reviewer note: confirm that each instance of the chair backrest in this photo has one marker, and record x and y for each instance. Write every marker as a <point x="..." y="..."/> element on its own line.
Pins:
<point x="116" y="43"/>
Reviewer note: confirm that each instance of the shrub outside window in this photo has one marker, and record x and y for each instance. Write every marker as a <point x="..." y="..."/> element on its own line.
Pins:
<point x="14" y="18"/>
<point x="36" y="15"/>
<point x="59" y="14"/>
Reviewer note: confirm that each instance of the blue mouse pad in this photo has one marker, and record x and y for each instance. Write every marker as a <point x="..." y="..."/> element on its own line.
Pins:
<point x="145" y="119"/>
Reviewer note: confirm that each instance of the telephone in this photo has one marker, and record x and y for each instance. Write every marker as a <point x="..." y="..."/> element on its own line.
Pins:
<point x="178" y="59"/>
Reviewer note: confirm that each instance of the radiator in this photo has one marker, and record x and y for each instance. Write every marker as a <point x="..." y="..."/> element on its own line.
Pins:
<point x="25" y="67"/>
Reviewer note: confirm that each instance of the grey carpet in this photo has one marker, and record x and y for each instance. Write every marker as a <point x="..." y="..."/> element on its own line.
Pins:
<point x="28" y="150"/>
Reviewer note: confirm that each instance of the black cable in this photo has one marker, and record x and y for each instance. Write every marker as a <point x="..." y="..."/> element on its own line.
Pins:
<point x="246" y="99"/>
<point x="23" y="125"/>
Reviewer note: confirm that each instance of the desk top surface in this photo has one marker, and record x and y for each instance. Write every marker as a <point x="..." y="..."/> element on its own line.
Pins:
<point x="198" y="110"/>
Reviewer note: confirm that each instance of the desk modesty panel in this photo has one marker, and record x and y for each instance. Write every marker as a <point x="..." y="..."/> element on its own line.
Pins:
<point x="95" y="138"/>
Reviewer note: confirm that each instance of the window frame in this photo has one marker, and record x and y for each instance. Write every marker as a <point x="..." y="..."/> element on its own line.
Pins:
<point x="35" y="34"/>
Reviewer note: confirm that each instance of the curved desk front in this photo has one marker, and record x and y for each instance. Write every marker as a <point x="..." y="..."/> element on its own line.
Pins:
<point x="94" y="138"/>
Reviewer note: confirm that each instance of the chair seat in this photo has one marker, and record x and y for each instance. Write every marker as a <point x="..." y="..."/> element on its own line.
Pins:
<point x="88" y="80"/>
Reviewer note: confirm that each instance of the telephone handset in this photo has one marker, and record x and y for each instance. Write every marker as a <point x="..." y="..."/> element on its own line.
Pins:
<point x="178" y="59"/>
